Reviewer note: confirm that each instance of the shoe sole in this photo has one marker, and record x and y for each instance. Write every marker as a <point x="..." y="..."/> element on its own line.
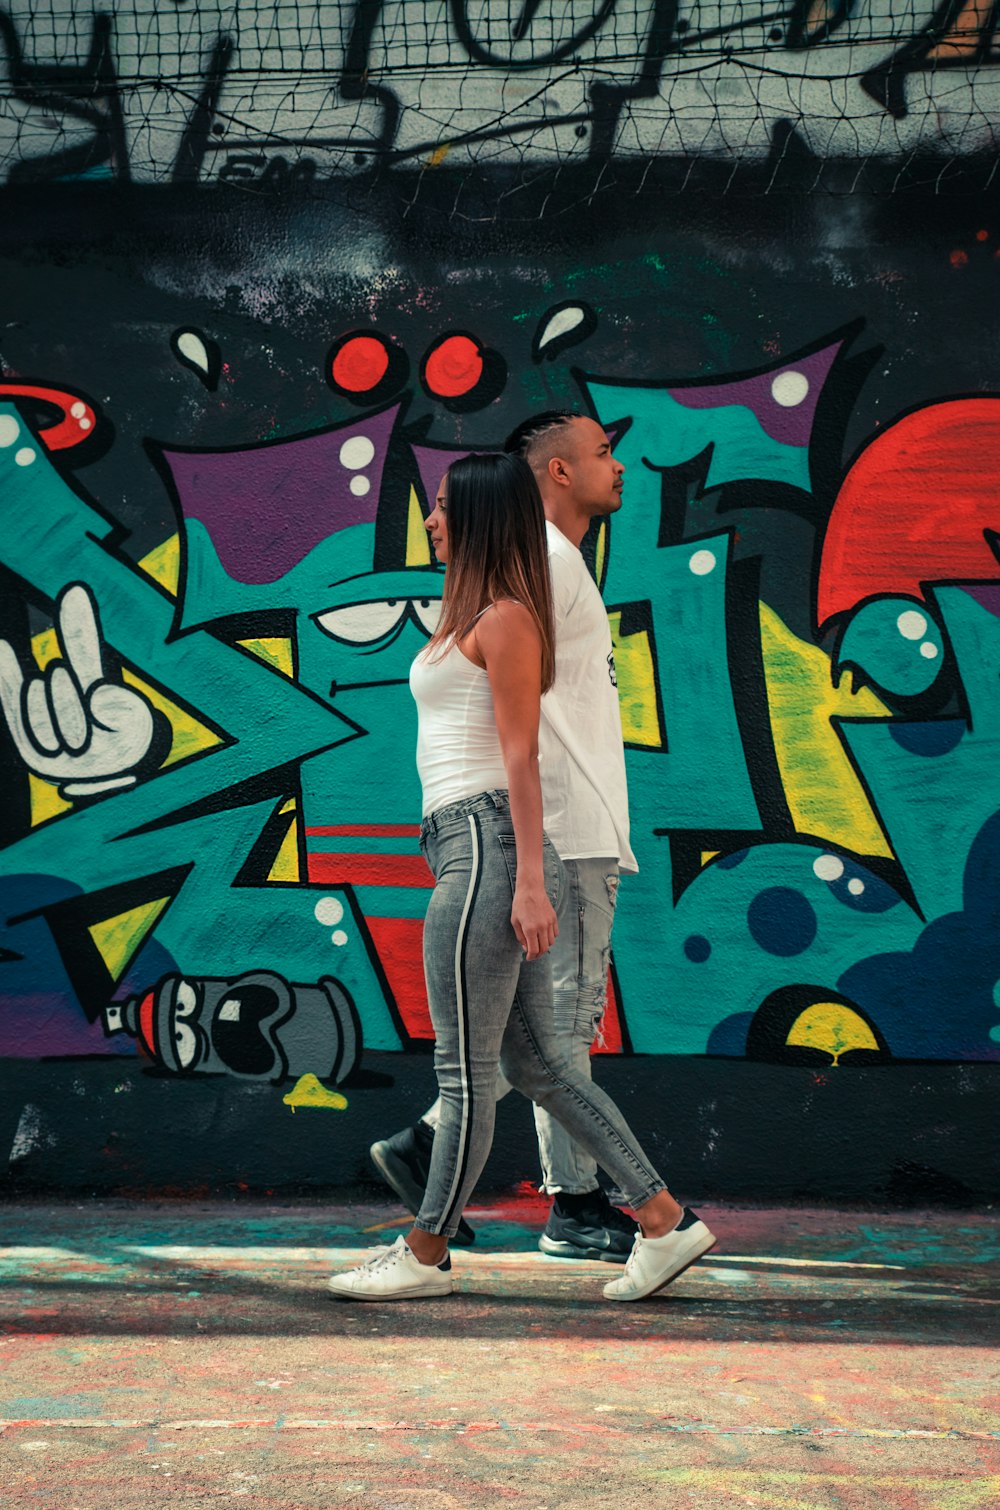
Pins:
<point x="662" y="1285"/>
<point x="410" y="1194"/>
<point x="419" y="1294"/>
<point x="553" y="1249"/>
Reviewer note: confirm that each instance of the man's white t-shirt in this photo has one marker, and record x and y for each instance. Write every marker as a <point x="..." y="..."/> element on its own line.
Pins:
<point x="582" y="757"/>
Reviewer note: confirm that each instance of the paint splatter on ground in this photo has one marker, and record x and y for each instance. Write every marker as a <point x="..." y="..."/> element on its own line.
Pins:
<point x="817" y="1359"/>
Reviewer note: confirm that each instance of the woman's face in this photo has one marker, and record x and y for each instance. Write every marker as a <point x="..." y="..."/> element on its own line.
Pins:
<point x="436" y="523"/>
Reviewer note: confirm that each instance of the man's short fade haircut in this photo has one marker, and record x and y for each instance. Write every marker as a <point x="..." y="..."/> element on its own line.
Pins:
<point x="524" y="438"/>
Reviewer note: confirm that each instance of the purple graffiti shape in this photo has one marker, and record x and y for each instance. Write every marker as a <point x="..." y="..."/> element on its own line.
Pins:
<point x="265" y="507"/>
<point x="987" y="595"/>
<point x="432" y="463"/>
<point x="783" y="399"/>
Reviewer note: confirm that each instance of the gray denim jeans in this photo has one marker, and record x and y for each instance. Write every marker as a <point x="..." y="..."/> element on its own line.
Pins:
<point x="490" y="1008"/>
<point x="579" y="957"/>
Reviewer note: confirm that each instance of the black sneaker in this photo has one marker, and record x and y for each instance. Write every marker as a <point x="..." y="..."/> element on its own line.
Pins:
<point x="595" y="1230"/>
<point x="404" y="1162"/>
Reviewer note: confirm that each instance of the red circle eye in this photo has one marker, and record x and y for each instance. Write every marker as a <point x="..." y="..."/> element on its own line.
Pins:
<point x="360" y="364"/>
<point x="454" y="366"/>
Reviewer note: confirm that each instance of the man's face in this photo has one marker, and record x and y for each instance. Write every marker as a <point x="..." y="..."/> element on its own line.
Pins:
<point x="595" y="475"/>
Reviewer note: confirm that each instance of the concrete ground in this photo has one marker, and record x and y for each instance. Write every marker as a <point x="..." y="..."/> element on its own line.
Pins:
<point x="187" y="1354"/>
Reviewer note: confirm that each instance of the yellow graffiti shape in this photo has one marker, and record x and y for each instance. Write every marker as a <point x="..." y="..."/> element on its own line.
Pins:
<point x="833" y="1028"/>
<point x="308" y="1091"/>
<point x="163" y="564"/>
<point x="120" y="938"/>
<point x="418" y="545"/>
<point x="601" y="554"/>
<point x="824" y="795"/>
<point x="285" y="866"/>
<point x="45" y="800"/>
<point x="188" y="736"/>
<point x="636" y="672"/>
<point x="274" y="650"/>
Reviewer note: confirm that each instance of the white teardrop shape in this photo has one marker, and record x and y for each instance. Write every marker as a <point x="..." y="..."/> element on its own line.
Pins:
<point x="192" y="347"/>
<point x="560" y="323"/>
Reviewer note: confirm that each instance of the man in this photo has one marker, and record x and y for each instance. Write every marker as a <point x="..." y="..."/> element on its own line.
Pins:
<point x="582" y="767"/>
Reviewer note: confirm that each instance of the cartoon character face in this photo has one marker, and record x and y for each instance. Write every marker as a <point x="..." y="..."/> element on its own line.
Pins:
<point x="257" y="1026"/>
<point x="376" y="624"/>
<point x="358" y="628"/>
<point x="355" y="649"/>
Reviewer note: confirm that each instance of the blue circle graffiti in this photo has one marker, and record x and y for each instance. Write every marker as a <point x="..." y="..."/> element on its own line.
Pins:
<point x="782" y="921"/>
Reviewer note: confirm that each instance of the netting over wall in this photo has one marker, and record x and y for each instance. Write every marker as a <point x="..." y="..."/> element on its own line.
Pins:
<point x="181" y="90"/>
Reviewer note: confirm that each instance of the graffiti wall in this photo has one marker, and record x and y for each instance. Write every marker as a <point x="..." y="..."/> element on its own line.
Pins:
<point x="293" y="91"/>
<point x="224" y="412"/>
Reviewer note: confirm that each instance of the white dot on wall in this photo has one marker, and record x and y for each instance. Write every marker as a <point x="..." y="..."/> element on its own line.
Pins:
<point x="24" y="457"/>
<point x="339" y="938"/>
<point x="855" y="887"/>
<point x="702" y="562"/>
<point x="828" y="867"/>
<point x="9" y="430"/>
<point x="929" y="650"/>
<point x="328" y="911"/>
<point x="789" y="389"/>
<point x="356" y="452"/>
<point x="911" y="625"/>
<point x="78" y="410"/>
<point x="360" y="486"/>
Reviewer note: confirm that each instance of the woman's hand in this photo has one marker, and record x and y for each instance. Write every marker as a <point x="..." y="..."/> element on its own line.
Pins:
<point x="533" y="920"/>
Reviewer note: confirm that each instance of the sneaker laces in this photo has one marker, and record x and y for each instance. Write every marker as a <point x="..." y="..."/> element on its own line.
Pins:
<point x="631" y="1263"/>
<point x="381" y="1257"/>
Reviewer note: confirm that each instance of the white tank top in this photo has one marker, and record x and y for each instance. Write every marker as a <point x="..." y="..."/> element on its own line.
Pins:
<point x="458" y="748"/>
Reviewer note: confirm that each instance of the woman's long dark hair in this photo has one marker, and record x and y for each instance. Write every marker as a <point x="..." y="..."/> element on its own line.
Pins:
<point x="497" y="549"/>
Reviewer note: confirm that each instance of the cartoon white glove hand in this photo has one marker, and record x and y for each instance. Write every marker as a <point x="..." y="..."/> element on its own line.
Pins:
<point x="71" y="725"/>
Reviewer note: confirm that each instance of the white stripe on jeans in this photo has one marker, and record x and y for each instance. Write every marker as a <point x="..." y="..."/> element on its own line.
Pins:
<point x="460" y="1161"/>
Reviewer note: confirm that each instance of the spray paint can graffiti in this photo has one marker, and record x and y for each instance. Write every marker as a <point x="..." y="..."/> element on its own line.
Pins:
<point x="256" y="1026"/>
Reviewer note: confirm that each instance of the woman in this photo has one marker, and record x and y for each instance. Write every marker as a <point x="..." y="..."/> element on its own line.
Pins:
<point x="491" y="919"/>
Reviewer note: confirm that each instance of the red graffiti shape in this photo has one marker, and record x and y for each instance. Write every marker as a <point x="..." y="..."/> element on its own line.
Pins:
<point x="454" y="367"/>
<point x="917" y="506"/>
<point x="78" y="416"/>
<point x="361" y="363"/>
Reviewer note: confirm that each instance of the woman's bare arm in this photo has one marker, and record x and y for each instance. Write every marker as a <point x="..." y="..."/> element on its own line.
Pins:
<point x="510" y="647"/>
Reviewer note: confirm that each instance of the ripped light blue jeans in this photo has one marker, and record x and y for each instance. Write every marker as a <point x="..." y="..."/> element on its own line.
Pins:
<point x="490" y="1007"/>
<point x="579" y="958"/>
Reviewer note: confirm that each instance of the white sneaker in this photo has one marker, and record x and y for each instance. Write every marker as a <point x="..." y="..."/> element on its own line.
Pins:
<point x="393" y="1274"/>
<point x="655" y="1261"/>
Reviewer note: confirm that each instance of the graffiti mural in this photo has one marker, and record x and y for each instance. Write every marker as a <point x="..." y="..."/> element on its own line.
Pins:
<point x="283" y="95"/>
<point x="212" y="745"/>
<point x="265" y="271"/>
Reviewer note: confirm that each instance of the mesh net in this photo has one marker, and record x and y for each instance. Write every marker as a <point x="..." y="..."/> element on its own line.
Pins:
<point x="297" y="93"/>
